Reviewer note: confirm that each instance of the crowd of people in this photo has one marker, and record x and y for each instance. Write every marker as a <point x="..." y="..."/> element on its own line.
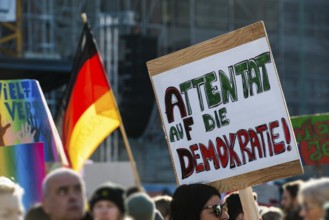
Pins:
<point x="64" y="198"/>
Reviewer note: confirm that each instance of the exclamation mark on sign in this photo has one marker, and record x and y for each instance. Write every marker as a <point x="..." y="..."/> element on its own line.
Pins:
<point x="286" y="133"/>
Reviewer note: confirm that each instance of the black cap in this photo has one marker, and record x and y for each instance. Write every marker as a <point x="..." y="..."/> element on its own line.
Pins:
<point x="110" y="192"/>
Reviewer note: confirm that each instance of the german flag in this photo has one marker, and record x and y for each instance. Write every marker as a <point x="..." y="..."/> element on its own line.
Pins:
<point x="90" y="110"/>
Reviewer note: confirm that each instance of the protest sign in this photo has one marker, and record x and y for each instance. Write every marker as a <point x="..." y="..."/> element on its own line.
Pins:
<point x="25" y="117"/>
<point x="224" y="113"/>
<point x="25" y="165"/>
<point x="312" y="134"/>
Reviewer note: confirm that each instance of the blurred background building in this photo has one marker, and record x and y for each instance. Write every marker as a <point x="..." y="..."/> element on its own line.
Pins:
<point x="38" y="40"/>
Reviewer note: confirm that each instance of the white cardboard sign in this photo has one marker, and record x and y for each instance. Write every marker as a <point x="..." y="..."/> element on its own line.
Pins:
<point x="225" y="115"/>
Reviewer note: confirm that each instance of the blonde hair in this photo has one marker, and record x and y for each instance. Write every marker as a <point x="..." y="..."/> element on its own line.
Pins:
<point x="272" y="213"/>
<point x="9" y="187"/>
<point x="316" y="190"/>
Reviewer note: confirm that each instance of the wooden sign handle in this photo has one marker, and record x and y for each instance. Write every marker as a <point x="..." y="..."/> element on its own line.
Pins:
<point x="248" y="204"/>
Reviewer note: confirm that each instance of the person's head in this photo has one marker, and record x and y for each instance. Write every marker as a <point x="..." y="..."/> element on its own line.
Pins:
<point x="64" y="195"/>
<point x="133" y="189"/>
<point x="197" y="202"/>
<point x="234" y="206"/>
<point x="36" y="212"/>
<point x="313" y="195"/>
<point x="140" y="206"/>
<point x="289" y="201"/>
<point x="107" y="202"/>
<point x="162" y="203"/>
<point x="11" y="207"/>
<point x="272" y="213"/>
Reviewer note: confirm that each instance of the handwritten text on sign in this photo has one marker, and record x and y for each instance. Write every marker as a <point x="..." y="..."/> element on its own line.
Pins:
<point x="312" y="134"/>
<point x="225" y="115"/>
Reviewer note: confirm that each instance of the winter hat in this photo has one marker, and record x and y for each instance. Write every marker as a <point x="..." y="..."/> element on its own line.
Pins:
<point x="140" y="206"/>
<point x="111" y="192"/>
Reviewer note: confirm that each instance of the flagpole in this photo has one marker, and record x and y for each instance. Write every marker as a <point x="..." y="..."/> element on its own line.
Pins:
<point x="124" y="135"/>
<point x="130" y="156"/>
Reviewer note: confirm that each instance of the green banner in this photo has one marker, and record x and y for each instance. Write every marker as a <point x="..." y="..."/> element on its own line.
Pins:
<point x="312" y="135"/>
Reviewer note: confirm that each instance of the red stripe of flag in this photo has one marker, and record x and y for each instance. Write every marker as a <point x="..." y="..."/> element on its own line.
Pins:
<point x="88" y="86"/>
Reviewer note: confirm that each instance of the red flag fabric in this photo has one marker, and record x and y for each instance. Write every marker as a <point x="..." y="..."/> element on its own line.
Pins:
<point x="90" y="113"/>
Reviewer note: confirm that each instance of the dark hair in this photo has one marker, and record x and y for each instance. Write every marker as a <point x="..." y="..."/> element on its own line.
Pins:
<point x="234" y="205"/>
<point x="133" y="189"/>
<point x="293" y="187"/>
<point x="36" y="212"/>
<point x="162" y="203"/>
<point x="188" y="201"/>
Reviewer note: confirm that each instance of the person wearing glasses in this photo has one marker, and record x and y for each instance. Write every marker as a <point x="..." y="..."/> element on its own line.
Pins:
<point x="197" y="202"/>
<point x="313" y="195"/>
